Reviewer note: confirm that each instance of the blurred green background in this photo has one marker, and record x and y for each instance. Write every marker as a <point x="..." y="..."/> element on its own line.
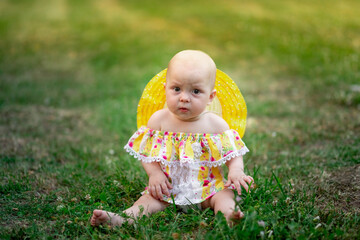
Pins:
<point x="72" y="73"/>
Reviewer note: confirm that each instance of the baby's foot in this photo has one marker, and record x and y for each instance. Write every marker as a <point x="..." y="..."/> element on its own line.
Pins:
<point x="99" y="217"/>
<point x="235" y="217"/>
<point x="102" y="217"/>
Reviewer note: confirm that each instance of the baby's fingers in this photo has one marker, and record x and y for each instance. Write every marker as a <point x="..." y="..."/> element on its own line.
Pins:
<point x="152" y="191"/>
<point x="169" y="186"/>
<point x="165" y="190"/>
<point x="237" y="185"/>
<point x="228" y="183"/>
<point x="244" y="184"/>
<point x="159" y="193"/>
<point x="250" y="181"/>
<point x="251" y="178"/>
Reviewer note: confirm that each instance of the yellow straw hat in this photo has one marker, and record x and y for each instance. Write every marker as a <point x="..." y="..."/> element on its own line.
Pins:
<point x="228" y="103"/>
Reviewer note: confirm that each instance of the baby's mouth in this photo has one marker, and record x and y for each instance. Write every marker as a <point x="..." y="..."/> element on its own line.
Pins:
<point x="183" y="109"/>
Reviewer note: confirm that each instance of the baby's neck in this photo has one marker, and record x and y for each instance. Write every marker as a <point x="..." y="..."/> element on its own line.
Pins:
<point x="195" y="125"/>
<point x="194" y="119"/>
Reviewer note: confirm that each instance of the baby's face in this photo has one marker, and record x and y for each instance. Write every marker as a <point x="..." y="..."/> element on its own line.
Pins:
<point x="188" y="91"/>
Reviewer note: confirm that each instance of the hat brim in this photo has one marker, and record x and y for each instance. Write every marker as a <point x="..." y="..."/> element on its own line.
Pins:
<point x="228" y="103"/>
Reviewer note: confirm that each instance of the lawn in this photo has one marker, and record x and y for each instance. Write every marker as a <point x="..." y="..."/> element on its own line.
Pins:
<point x="72" y="73"/>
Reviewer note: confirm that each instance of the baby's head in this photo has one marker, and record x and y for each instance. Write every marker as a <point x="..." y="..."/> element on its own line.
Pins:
<point x="192" y="64"/>
<point x="190" y="82"/>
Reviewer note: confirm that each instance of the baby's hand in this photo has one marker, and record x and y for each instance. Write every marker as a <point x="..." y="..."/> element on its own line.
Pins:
<point x="159" y="185"/>
<point x="239" y="178"/>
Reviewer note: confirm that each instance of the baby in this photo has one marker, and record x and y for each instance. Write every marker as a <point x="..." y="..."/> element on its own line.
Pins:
<point x="183" y="146"/>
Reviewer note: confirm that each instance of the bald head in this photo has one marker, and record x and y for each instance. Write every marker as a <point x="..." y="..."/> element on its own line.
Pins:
<point x="193" y="64"/>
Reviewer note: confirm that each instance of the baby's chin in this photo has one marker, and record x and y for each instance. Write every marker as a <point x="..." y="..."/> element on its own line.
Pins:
<point x="188" y="118"/>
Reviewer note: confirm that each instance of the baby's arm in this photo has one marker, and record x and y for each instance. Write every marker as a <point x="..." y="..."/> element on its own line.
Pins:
<point x="237" y="176"/>
<point x="158" y="182"/>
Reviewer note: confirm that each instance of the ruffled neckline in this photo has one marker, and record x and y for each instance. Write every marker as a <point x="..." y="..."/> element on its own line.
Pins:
<point x="174" y="148"/>
<point x="174" y="134"/>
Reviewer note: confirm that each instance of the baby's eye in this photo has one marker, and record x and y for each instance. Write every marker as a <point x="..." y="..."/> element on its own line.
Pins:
<point x="176" y="89"/>
<point x="196" y="91"/>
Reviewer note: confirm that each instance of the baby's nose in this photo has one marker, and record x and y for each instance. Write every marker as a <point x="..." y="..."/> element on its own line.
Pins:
<point x="184" y="97"/>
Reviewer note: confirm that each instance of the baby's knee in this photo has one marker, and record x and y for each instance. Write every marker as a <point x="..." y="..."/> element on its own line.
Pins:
<point x="226" y="206"/>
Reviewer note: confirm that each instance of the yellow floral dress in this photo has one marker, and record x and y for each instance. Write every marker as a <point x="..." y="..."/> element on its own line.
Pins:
<point x="191" y="161"/>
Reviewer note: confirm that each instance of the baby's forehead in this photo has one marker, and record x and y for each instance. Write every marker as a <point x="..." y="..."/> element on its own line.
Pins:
<point x="191" y="69"/>
<point x="193" y="64"/>
<point x="188" y="80"/>
<point x="192" y="59"/>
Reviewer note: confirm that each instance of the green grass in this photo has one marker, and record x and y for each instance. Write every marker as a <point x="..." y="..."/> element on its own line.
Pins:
<point x="71" y="75"/>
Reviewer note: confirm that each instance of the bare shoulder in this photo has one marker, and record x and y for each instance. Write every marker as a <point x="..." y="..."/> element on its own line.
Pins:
<point x="156" y="119"/>
<point x="218" y="124"/>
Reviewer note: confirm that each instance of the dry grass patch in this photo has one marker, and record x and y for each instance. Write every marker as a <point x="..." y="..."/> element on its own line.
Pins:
<point x="340" y="189"/>
<point x="29" y="131"/>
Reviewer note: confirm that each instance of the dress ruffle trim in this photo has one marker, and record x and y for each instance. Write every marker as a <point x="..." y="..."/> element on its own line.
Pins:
<point x="216" y="163"/>
<point x="171" y="149"/>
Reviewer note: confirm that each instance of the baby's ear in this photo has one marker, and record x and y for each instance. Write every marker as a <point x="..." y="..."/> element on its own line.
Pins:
<point x="212" y="94"/>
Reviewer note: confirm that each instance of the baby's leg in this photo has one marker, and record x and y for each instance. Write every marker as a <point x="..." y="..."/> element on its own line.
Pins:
<point x="224" y="202"/>
<point x="145" y="205"/>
